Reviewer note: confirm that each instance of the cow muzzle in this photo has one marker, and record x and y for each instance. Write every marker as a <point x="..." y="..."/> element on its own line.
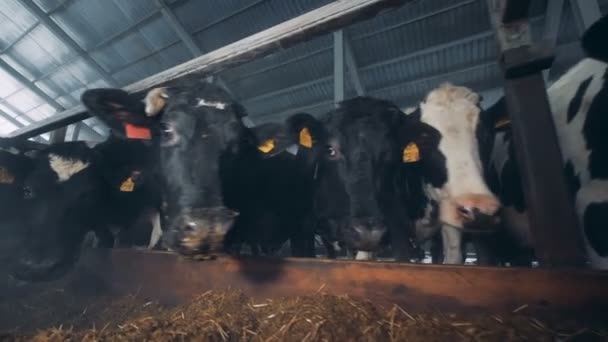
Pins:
<point x="475" y="213"/>
<point x="201" y="231"/>
<point x="365" y="234"/>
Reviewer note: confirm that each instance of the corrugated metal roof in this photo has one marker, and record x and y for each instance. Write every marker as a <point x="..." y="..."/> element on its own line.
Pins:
<point x="400" y="54"/>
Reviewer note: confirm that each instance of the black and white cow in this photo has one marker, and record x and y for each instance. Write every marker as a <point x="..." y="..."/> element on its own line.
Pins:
<point x="73" y="189"/>
<point x="579" y="103"/>
<point x="222" y="185"/>
<point x="390" y="176"/>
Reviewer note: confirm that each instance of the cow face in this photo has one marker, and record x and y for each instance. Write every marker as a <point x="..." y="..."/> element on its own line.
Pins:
<point x="202" y="138"/>
<point x="465" y="201"/>
<point x="63" y="204"/>
<point x="361" y="149"/>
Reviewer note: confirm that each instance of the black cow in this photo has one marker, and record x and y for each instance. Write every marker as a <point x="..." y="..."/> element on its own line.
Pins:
<point x="217" y="174"/>
<point x="73" y="189"/>
<point x="406" y="175"/>
<point x="282" y="208"/>
<point x="579" y="103"/>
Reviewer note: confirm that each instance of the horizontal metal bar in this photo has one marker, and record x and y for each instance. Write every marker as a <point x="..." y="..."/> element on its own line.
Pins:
<point x="305" y="27"/>
<point x="416" y="287"/>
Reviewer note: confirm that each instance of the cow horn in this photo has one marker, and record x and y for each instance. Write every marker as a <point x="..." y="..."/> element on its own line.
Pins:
<point x="155" y="101"/>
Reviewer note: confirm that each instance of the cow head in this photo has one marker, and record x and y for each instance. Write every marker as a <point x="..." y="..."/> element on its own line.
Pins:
<point x="361" y="149"/>
<point x="130" y="154"/>
<point x="465" y="202"/>
<point x="63" y="197"/>
<point x="201" y="134"/>
<point x="594" y="38"/>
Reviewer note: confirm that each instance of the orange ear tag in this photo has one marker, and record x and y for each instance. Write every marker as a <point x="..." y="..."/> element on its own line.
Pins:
<point x="411" y="153"/>
<point x="266" y="146"/>
<point x="305" y="138"/>
<point x="127" y="186"/>
<point x="137" y="132"/>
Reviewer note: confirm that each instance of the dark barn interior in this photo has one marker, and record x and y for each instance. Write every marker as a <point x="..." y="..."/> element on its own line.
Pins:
<point x="298" y="171"/>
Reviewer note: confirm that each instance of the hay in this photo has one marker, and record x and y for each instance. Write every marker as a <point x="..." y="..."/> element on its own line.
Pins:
<point x="228" y="315"/>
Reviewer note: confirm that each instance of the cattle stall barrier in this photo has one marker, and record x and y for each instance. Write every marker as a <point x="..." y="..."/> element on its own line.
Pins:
<point x="172" y="279"/>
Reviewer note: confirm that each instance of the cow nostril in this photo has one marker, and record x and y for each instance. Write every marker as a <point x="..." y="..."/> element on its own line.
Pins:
<point x="190" y="226"/>
<point x="466" y="212"/>
<point x="28" y="192"/>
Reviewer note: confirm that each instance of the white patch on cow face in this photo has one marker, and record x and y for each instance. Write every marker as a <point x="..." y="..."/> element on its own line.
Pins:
<point x="157" y="231"/>
<point x="454" y="112"/>
<point x="409" y="110"/>
<point x="214" y="104"/>
<point x="364" y="255"/>
<point x="65" y="168"/>
<point x="293" y="149"/>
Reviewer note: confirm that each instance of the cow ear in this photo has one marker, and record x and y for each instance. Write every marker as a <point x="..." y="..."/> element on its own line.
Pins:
<point x="305" y="130"/>
<point x="271" y="138"/>
<point x="122" y="112"/>
<point x="594" y="40"/>
<point x="302" y="130"/>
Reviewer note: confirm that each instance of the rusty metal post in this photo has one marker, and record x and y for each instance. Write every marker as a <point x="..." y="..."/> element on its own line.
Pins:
<point x="551" y="212"/>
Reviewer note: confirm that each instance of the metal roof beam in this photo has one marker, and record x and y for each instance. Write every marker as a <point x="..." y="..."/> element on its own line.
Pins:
<point x="18" y="123"/>
<point x="585" y="12"/>
<point x="307" y="26"/>
<point x="384" y="89"/>
<point x="186" y="38"/>
<point x="338" y="67"/>
<point x="362" y="36"/>
<point x="352" y="66"/>
<point x="66" y="39"/>
<point x="76" y="131"/>
<point x="400" y="59"/>
<point x="34" y="88"/>
<point x="19" y="38"/>
<point x="553" y="19"/>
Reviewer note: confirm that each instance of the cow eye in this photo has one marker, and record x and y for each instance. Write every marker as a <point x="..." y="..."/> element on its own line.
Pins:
<point x="332" y="152"/>
<point x="168" y="134"/>
<point x="166" y="128"/>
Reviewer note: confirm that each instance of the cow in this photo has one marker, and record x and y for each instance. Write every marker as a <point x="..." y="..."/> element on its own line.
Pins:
<point x="283" y="207"/>
<point x="74" y="188"/>
<point x="387" y="176"/>
<point x="579" y="104"/>
<point x="222" y="185"/>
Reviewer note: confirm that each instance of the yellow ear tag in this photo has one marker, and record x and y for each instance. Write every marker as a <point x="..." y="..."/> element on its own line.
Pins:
<point x="6" y="177"/>
<point x="305" y="138"/>
<point x="127" y="186"/>
<point x="502" y="123"/>
<point x="266" y="146"/>
<point x="411" y="154"/>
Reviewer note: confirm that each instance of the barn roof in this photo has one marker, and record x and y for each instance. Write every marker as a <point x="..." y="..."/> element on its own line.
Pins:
<point x="52" y="50"/>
